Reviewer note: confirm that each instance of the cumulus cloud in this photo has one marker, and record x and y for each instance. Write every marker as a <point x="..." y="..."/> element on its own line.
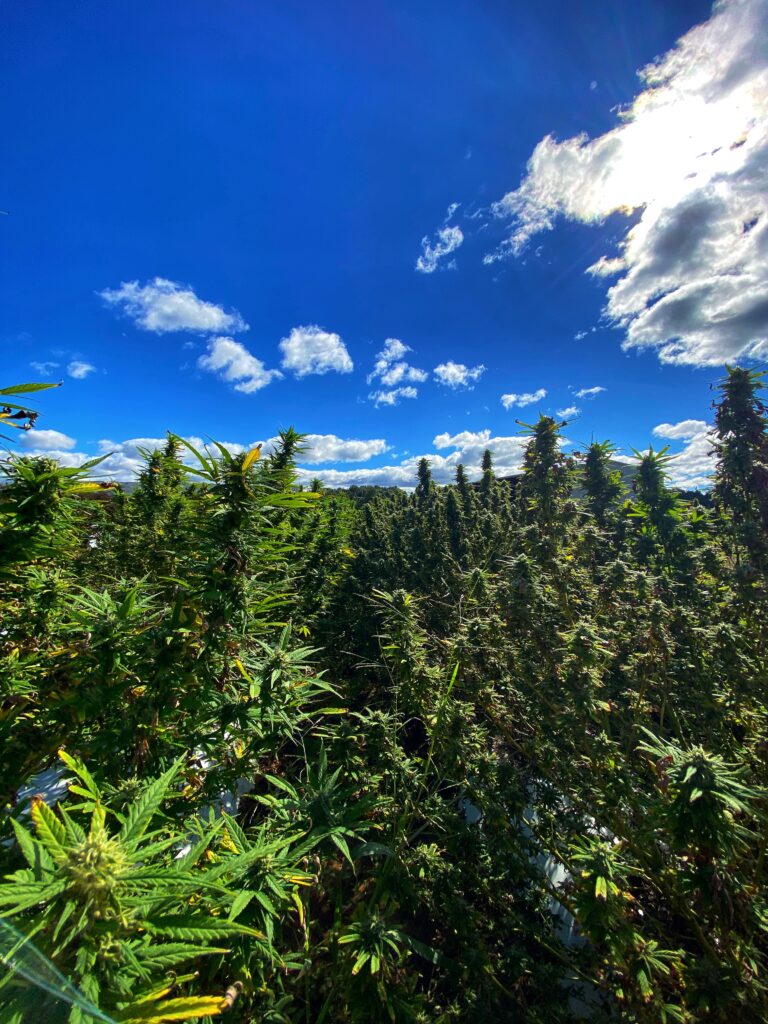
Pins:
<point x="691" y="156"/>
<point x="80" y="370"/>
<point x="523" y="399"/>
<point x="691" y="468"/>
<point x="125" y="459"/>
<point x="311" y="350"/>
<point x="457" y="375"/>
<point x="569" y="413"/>
<point x="232" y="362"/>
<point x="682" y="431"/>
<point x="330" y="448"/>
<point x="66" y="458"/>
<point x="46" y="440"/>
<point x="391" y="367"/>
<point x="161" y="306"/>
<point x="468" y="448"/>
<point x="447" y="240"/>
<point x="395" y="373"/>
<point x="589" y="392"/>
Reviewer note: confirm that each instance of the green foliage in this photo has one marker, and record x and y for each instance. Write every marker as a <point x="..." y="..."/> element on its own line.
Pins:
<point x="488" y="750"/>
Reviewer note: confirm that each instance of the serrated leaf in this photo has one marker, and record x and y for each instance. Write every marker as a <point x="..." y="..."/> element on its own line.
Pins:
<point x="190" y="928"/>
<point x="52" y="833"/>
<point x="33" y="851"/>
<point x="240" y="902"/>
<point x="145" y="807"/>
<point x="182" y="1008"/>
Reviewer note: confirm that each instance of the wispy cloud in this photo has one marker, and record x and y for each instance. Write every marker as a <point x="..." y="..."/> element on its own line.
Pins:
<point x="392" y="396"/>
<point x="570" y="412"/>
<point x="523" y="399"/>
<point x="311" y="350"/>
<point x="447" y="240"/>
<point x="589" y="392"/>
<point x="162" y="306"/>
<point x="79" y="369"/>
<point x="690" y="154"/>
<point x="45" y="368"/>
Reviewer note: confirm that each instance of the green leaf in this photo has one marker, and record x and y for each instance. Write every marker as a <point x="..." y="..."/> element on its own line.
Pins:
<point x="51" y="832"/>
<point x="33" y="851"/>
<point x="190" y="928"/>
<point x="361" y="961"/>
<point x="146" y="806"/>
<point x="240" y="902"/>
<point x="28" y="389"/>
<point x="169" y="954"/>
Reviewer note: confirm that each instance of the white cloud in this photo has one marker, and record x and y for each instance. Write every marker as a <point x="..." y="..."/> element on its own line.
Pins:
<point x="232" y="362"/>
<point x="393" y="396"/>
<point x="569" y="413"/>
<point x="447" y="240"/>
<point x="401" y="371"/>
<point x="589" y="392"/>
<point x="462" y="439"/>
<point x="691" y="468"/>
<point x="161" y="306"/>
<point x="394" y="372"/>
<point x="311" y="350"/>
<point x="457" y="375"/>
<point x="66" y="459"/>
<point x="330" y="448"/>
<point x="691" y="154"/>
<point x="468" y="446"/>
<point x="682" y="431"/>
<point x="579" y="335"/>
<point x="79" y="370"/>
<point x="46" y="368"/>
<point x="694" y="466"/>
<point x="46" y="440"/>
<point x="125" y="460"/>
<point x="526" y="398"/>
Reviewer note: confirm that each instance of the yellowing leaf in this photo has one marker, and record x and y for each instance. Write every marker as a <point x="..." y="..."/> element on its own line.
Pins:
<point x="243" y="671"/>
<point x="253" y="455"/>
<point x="299" y="906"/>
<point x="183" y="1008"/>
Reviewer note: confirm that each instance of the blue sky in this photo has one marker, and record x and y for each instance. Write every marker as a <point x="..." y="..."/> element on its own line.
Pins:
<point x="174" y="172"/>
